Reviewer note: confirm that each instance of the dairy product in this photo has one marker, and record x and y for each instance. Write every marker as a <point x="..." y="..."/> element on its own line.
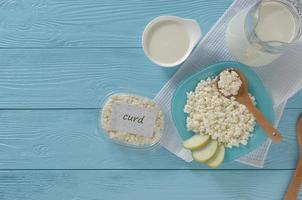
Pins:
<point x="123" y="135"/>
<point x="224" y="119"/>
<point x="275" y="26"/>
<point x="229" y="83"/>
<point x="168" y="42"/>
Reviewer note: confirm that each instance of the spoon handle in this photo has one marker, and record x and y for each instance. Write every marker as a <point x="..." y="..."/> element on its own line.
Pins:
<point x="293" y="189"/>
<point x="261" y="119"/>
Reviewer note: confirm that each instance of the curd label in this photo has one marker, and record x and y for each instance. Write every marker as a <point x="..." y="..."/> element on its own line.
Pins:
<point x="133" y="119"/>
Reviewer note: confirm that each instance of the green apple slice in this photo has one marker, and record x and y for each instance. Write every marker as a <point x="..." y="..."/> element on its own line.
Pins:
<point x="218" y="158"/>
<point x="197" y="141"/>
<point x="205" y="153"/>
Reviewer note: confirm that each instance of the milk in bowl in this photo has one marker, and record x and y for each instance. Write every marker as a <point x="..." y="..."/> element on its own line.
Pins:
<point x="168" y="40"/>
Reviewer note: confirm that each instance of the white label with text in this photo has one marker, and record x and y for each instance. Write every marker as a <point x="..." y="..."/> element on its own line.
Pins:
<point x="133" y="119"/>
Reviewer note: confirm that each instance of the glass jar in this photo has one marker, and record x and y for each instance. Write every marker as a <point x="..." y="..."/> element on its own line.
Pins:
<point x="258" y="35"/>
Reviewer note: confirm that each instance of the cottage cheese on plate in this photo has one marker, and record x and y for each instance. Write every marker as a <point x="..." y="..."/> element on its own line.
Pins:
<point x="210" y="113"/>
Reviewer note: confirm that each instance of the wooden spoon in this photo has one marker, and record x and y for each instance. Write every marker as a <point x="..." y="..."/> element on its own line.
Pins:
<point x="293" y="189"/>
<point x="244" y="98"/>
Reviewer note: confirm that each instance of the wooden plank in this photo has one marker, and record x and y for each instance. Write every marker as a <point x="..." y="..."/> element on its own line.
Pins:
<point x="142" y="184"/>
<point x="93" y="23"/>
<point x="295" y="101"/>
<point x="69" y="139"/>
<point x="77" y="78"/>
<point x="286" y="153"/>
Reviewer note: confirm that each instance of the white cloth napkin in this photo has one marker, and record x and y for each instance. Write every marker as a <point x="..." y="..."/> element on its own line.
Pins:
<point x="283" y="78"/>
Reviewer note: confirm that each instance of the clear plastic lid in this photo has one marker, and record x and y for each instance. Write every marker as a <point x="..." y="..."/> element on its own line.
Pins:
<point x="131" y="120"/>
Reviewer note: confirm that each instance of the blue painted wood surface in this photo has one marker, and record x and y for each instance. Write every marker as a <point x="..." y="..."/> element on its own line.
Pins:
<point x="68" y="139"/>
<point x="59" y="60"/>
<point x="142" y="184"/>
<point x="93" y="23"/>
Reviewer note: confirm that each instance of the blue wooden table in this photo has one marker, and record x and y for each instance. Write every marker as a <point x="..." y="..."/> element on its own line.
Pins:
<point x="59" y="59"/>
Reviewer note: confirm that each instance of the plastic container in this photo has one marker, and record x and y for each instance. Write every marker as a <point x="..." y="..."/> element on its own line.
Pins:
<point x="131" y="120"/>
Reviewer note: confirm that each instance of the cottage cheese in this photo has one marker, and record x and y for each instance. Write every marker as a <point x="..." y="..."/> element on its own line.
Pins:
<point x="129" y="138"/>
<point x="212" y="114"/>
<point x="229" y="83"/>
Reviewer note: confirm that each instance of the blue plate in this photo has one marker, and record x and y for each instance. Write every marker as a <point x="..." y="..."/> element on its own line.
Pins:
<point x="256" y="88"/>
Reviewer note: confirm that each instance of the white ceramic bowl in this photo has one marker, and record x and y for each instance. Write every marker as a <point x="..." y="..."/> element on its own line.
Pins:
<point x="191" y="27"/>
